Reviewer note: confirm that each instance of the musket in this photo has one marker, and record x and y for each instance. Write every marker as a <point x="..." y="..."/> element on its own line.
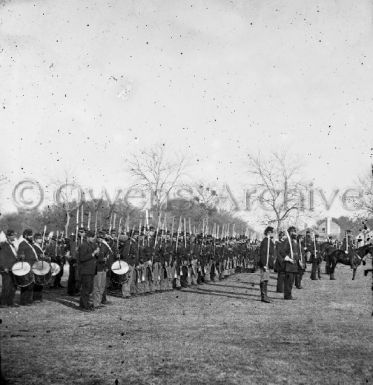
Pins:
<point x="110" y="223"/>
<point x="56" y="251"/>
<point x="156" y="233"/>
<point x="114" y="220"/>
<point x="172" y="231"/>
<point x="77" y="226"/>
<point x="178" y="233"/>
<point x="89" y="220"/>
<point x="119" y="229"/>
<point x="290" y="244"/>
<point x="185" y="240"/>
<point x="82" y="216"/>
<point x="96" y="222"/>
<point x="42" y="242"/>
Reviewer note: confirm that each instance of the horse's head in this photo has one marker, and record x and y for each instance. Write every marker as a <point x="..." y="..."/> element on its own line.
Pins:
<point x="365" y="252"/>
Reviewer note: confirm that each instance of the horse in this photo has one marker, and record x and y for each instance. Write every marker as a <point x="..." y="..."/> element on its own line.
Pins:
<point x="325" y="249"/>
<point x="354" y="258"/>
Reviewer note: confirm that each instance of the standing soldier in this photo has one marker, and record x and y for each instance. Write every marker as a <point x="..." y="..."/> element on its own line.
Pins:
<point x="38" y="289"/>
<point x="290" y="255"/>
<point x="8" y="256"/>
<point x="348" y="247"/>
<point x="103" y="263"/>
<point x="280" y="264"/>
<point x="87" y="252"/>
<point x="266" y="257"/>
<point x="28" y="254"/>
<point x="301" y="264"/>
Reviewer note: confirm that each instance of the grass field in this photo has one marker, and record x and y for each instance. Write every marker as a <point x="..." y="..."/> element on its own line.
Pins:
<point x="218" y="333"/>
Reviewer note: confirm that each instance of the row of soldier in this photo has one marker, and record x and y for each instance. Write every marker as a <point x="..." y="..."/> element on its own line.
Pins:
<point x="156" y="261"/>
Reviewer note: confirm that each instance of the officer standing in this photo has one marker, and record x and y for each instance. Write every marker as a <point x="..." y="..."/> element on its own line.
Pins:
<point x="266" y="258"/>
<point x="290" y="255"/>
<point x="87" y="253"/>
<point x="8" y="256"/>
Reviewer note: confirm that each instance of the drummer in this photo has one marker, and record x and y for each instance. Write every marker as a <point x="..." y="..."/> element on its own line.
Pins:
<point x="27" y="253"/>
<point x="8" y="257"/>
<point x="38" y="243"/>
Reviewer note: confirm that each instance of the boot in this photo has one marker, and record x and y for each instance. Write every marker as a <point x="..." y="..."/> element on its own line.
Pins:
<point x="263" y="292"/>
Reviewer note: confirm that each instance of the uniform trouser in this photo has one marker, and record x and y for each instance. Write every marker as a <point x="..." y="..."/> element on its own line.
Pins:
<point x="86" y="289"/>
<point x="314" y="269"/>
<point x="99" y="283"/>
<point x="298" y="279"/>
<point x="38" y="292"/>
<point x="280" y="281"/>
<point x="71" y="282"/>
<point x="26" y="294"/>
<point x="288" y="284"/>
<point x="107" y="285"/>
<point x="184" y="277"/>
<point x="57" y="278"/>
<point x="264" y="275"/>
<point x="8" y="290"/>
<point x="126" y="285"/>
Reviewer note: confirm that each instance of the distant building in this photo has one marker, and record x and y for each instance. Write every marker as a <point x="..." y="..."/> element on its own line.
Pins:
<point x="329" y="227"/>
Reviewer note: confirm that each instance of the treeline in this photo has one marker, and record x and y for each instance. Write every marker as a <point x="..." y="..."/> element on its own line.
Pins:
<point x="197" y="215"/>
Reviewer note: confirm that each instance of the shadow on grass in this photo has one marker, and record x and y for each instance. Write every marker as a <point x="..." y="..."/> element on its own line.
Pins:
<point x="251" y="286"/>
<point x="227" y="294"/>
<point x="59" y="296"/>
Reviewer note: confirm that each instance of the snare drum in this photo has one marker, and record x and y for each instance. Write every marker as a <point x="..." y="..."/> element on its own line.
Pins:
<point x="119" y="269"/>
<point x="22" y="274"/>
<point x="42" y="273"/>
<point x="55" y="268"/>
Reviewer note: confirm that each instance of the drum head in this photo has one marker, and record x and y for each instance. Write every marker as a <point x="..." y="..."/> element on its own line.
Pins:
<point x="55" y="269"/>
<point x="120" y="267"/>
<point x="21" y="268"/>
<point x="41" y="268"/>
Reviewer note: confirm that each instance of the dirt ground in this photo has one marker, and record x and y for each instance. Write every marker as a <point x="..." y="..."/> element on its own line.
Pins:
<point x="218" y="333"/>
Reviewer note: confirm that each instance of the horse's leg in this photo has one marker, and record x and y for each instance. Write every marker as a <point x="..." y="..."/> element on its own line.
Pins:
<point x="353" y="273"/>
<point x="332" y="266"/>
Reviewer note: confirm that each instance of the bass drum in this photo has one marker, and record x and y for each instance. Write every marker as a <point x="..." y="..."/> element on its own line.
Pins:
<point x="55" y="268"/>
<point x="118" y="272"/>
<point x="42" y="273"/>
<point x="22" y="274"/>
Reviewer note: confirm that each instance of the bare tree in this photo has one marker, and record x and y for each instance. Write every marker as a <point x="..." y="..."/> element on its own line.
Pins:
<point x="67" y="196"/>
<point x="278" y="183"/>
<point x="156" y="174"/>
<point x="364" y="203"/>
<point x="206" y="195"/>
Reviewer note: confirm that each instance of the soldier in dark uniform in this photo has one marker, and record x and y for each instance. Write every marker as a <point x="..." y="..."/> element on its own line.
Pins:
<point x="72" y="282"/>
<point x="38" y="289"/>
<point x="8" y="257"/>
<point x="290" y="255"/>
<point x="55" y="250"/>
<point x="27" y="253"/>
<point x="266" y="258"/>
<point x="302" y="263"/>
<point x="348" y="247"/>
<point x="280" y="264"/>
<point x="102" y="261"/>
<point x="86" y="256"/>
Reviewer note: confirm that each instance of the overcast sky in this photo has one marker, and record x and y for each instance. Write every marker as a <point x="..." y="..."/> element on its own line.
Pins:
<point x="84" y="83"/>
